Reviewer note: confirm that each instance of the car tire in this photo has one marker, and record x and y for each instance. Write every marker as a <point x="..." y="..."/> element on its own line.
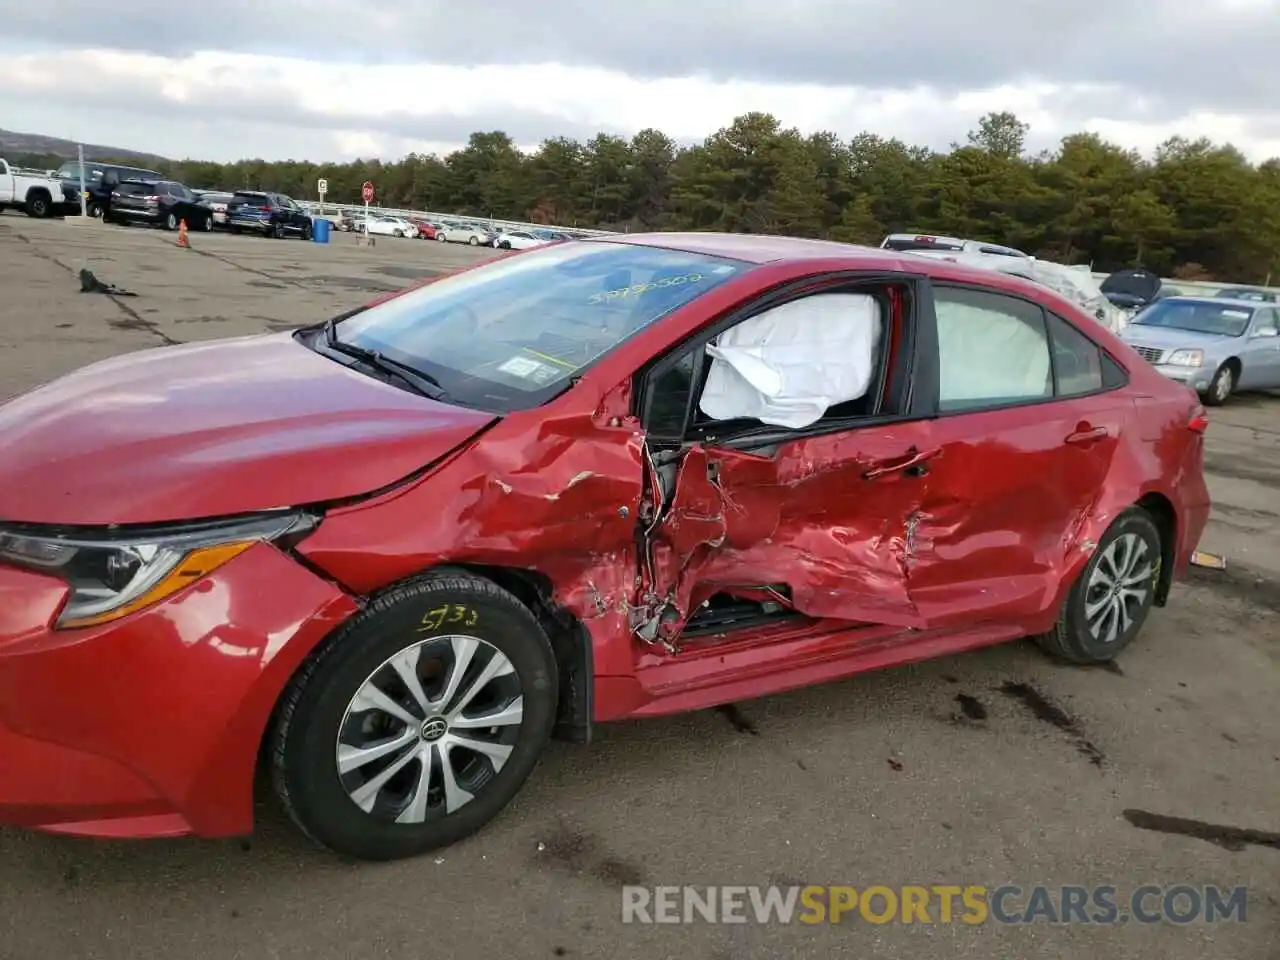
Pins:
<point x="442" y="238"/>
<point x="39" y="204"/>
<point x="505" y="245"/>
<point x="1221" y="386"/>
<point x="94" y="210"/>
<point x="1097" y="622"/>
<point x="474" y="241"/>
<point x="171" y="221"/>
<point x="307" y="232"/>
<point x="207" y="224"/>
<point x="459" y="621"/>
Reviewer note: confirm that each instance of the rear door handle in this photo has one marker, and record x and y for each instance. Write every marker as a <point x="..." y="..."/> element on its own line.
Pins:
<point x="914" y="464"/>
<point x="1085" y="434"/>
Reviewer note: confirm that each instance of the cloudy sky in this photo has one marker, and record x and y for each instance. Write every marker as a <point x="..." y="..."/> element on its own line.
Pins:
<point x="335" y="79"/>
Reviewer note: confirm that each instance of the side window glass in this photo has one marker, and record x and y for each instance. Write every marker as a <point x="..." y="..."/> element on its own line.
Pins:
<point x="993" y="350"/>
<point x="1077" y="361"/>
<point x="670" y="398"/>
<point x="1266" y="321"/>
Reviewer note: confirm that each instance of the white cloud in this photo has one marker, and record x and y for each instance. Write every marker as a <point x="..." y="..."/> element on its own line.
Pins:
<point x="224" y="106"/>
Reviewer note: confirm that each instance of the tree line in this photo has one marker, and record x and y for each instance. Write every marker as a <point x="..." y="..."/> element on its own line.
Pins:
<point x="1195" y="210"/>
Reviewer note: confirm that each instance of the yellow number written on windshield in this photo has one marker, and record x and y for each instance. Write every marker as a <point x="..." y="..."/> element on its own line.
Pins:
<point x="639" y="289"/>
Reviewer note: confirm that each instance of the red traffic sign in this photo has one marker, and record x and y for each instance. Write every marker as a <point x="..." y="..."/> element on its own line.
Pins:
<point x="367" y="192"/>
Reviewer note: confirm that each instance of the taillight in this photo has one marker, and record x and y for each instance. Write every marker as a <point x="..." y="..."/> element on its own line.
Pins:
<point x="1199" y="421"/>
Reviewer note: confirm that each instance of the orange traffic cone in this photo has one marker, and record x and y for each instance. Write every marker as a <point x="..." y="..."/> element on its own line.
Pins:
<point x="182" y="234"/>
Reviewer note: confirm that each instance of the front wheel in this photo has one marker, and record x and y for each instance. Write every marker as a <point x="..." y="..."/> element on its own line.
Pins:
<point x="171" y="222"/>
<point x="474" y="241"/>
<point x="307" y="231"/>
<point x="441" y="237"/>
<point x="207" y="224"/>
<point x="418" y="721"/>
<point x="1109" y="603"/>
<point x="1221" y="387"/>
<point x="94" y="210"/>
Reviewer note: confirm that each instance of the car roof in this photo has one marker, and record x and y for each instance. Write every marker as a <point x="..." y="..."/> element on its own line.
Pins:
<point x="760" y="250"/>
<point x="1219" y="301"/>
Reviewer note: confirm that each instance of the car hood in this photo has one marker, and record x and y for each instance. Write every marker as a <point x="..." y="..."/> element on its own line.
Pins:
<point x="1142" y="285"/>
<point x="213" y="429"/>
<point x="1167" y="338"/>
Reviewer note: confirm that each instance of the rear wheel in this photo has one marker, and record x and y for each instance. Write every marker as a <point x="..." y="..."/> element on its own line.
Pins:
<point x="1221" y="386"/>
<point x="207" y="224"/>
<point x="171" y="221"/>
<point x="474" y="241"/>
<point x="1110" y="601"/>
<point x="418" y="721"/>
<point x="307" y="231"/>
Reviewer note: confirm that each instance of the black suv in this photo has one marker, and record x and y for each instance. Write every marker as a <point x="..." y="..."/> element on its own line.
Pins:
<point x="100" y="181"/>
<point x="161" y="202"/>
<point x="270" y="214"/>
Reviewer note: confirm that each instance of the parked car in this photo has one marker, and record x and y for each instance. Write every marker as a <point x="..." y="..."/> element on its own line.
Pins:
<point x="217" y="201"/>
<point x="1214" y="346"/>
<point x="931" y="243"/>
<point x="34" y="194"/>
<point x="395" y="552"/>
<point x="471" y="233"/>
<point x="426" y="229"/>
<point x="163" y="203"/>
<point x="271" y="214"/>
<point x="517" y="240"/>
<point x="1247" y="293"/>
<point x="100" y="181"/>
<point x="390" y="227"/>
<point x="353" y="221"/>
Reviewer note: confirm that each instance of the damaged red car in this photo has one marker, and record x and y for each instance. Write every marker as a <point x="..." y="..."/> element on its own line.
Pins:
<point x="390" y="556"/>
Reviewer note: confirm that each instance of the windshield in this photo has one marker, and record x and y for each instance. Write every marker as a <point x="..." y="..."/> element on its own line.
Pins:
<point x="1196" y="316"/>
<point x="511" y="334"/>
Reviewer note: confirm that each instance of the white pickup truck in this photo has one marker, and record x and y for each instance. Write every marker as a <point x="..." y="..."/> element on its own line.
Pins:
<point x="33" y="193"/>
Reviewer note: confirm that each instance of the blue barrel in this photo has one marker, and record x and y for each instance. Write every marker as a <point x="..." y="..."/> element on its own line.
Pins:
<point x="320" y="230"/>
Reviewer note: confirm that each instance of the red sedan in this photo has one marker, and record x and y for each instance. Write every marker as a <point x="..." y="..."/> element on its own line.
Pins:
<point x="397" y="552"/>
<point x="426" y="229"/>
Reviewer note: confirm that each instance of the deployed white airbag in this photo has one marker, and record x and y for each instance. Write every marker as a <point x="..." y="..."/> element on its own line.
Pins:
<point x="988" y="355"/>
<point x="787" y="366"/>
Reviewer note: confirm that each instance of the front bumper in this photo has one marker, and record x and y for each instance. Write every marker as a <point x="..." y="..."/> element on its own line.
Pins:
<point x="151" y="726"/>
<point x="1197" y="378"/>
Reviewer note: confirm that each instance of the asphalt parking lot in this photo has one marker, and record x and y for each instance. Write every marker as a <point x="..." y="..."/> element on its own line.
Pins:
<point x="991" y="768"/>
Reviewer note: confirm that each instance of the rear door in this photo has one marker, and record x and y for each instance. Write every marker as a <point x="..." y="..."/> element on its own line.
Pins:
<point x="817" y="519"/>
<point x="1029" y="421"/>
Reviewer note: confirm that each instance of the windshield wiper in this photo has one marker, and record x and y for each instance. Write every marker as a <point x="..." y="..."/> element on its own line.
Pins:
<point x="422" y="382"/>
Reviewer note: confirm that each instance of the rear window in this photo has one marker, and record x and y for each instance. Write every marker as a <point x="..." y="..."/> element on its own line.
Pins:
<point x="245" y="196"/>
<point x="134" y="188"/>
<point x="905" y="244"/>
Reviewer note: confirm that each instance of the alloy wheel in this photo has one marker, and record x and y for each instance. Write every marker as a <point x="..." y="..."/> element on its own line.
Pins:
<point x="1223" y="384"/>
<point x="429" y="729"/>
<point x="1119" y="586"/>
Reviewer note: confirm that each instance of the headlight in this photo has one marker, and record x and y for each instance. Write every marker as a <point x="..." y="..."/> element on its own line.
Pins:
<point x="113" y="576"/>
<point x="1186" y="358"/>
